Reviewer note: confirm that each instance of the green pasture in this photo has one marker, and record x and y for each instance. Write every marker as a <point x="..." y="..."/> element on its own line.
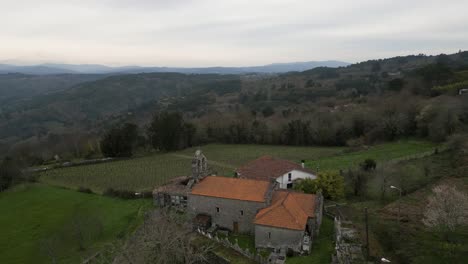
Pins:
<point x="36" y="221"/>
<point x="322" y="246"/>
<point x="382" y="153"/>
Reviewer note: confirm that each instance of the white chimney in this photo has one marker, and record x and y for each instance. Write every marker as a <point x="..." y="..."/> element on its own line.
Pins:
<point x="303" y="163"/>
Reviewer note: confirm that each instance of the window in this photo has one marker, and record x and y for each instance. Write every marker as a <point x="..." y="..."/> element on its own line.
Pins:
<point x="242" y="212"/>
<point x="217" y="209"/>
<point x="289" y="186"/>
<point x="289" y="176"/>
<point x="269" y="235"/>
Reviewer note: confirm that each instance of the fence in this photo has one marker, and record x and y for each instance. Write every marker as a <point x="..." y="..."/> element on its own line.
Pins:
<point x="235" y="246"/>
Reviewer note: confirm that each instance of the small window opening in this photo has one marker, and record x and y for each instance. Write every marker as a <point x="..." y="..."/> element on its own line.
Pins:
<point x="217" y="209"/>
<point x="289" y="176"/>
<point x="242" y="212"/>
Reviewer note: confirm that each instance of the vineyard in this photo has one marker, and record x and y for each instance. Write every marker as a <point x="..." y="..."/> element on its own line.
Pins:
<point x="143" y="174"/>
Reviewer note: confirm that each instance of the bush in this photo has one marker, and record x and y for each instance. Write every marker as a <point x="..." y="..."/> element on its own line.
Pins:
<point x="330" y="184"/>
<point x="368" y="164"/>
<point x="85" y="190"/>
<point x="147" y="194"/>
<point x="123" y="194"/>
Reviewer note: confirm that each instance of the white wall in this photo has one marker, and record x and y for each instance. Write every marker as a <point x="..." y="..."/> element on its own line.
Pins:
<point x="295" y="174"/>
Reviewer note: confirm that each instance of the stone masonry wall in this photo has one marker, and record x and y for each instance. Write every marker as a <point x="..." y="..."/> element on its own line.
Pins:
<point x="271" y="237"/>
<point x="229" y="211"/>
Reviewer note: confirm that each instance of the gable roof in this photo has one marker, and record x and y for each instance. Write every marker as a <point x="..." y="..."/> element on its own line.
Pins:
<point x="232" y="188"/>
<point x="267" y="167"/>
<point x="288" y="210"/>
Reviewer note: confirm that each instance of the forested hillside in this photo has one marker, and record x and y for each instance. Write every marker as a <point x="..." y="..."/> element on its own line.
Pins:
<point x="15" y="87"/>
<point x="379" y="100"/>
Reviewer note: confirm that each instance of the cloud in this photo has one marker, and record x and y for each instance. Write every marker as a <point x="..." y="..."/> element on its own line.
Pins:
<point x="241" y="32"/>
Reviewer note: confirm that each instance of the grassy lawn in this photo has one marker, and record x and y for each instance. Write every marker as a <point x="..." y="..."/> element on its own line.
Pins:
<point x="143" y="174"/>
<point x="34" y="212"/>
<point x="380" y="153"/>
<point x="322" y="246"/>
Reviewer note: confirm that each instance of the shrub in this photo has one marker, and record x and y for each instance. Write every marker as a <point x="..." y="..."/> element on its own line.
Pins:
<point x="368" y="164"/>
<point x="331" y="184"/>
<point x="85" y="190"/>
<point x="123" y="194"/>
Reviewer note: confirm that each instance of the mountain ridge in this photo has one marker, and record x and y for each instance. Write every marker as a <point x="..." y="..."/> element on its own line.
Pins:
<point x="55" y="68"/>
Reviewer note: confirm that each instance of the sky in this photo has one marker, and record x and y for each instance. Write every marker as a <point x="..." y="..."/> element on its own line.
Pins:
<point x="200" y="33"/>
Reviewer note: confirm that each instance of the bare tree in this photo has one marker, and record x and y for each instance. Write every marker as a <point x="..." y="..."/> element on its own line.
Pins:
<point x="164" y="239"/>
<point x="447" y="209"/>
<point x="84" y="227"/>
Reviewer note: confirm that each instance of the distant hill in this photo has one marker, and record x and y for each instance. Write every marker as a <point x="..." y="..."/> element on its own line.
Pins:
<point x="15" y="87"/>
<point x="45" y="69"/>
<point x="35" y="69"/>
<point x="39" y="107"/>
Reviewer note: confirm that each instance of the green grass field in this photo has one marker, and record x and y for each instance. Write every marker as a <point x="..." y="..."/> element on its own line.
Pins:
<point x="34" y="213"/>
<point x="143" y="174"/>
<point x="322" y="246"/>
<point x="380" y="153"/>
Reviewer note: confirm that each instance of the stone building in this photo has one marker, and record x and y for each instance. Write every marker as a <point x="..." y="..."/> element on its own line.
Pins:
<point x="174" y="193"/>
<point x="251" y="203"/>
<point x="231" y="203"/>
<point x="291" y="221"/>
<point x="267" y="168"/>
<point x="279" y="219"/>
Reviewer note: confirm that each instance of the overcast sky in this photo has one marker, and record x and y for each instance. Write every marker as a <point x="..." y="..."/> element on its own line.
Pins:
<point x="225" y="32"/>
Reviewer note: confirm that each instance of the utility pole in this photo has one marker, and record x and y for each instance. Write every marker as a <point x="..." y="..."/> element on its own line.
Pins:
<point x="367" y="233"/>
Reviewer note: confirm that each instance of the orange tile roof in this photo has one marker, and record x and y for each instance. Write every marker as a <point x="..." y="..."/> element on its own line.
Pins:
<point x="267" y="167"/>
<point x="288" y="210"/>
<point x="232" y="188"/>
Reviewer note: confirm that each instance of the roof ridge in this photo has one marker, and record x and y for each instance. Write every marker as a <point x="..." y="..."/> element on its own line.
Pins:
<point x="286" y="208"/>
<point x="268" y="210"/>
<point x="296" y="203"/>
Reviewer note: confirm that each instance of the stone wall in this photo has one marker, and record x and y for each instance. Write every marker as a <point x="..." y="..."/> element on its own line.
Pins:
<point x="235" y="246"/>
<point x="229" y="211"/>
<point x="272" y="237"/>
<point x="348" y="247"/>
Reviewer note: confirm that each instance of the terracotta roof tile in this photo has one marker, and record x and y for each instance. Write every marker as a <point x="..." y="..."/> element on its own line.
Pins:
<point x="267" y="167"/>
<point x="288" y="210"/>
<point x="232" y="188"/>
